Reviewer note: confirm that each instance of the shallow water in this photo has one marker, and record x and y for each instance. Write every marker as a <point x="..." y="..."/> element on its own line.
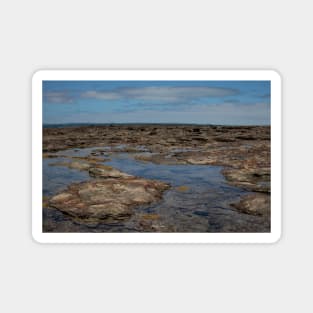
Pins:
<point x="57" y="178"/>
<point x="198" y="201"/>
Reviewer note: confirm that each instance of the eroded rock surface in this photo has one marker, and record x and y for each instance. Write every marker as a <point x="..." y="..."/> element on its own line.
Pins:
<point x="244" y="152"/>
<point x="107" y="198"/>
<point x="82" y="166"/>
<point x="255" y="204"/>
<point x="254" y="179"/>
<point x="104" y="171"/>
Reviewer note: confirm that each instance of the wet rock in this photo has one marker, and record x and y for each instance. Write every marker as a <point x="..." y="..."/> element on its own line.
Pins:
<point x="198" y="160"/>
<point x="112" y="198"/>
<point x="243" y="151"/>
<point x="82" y="166"/>
<point x="254" y="204"/>
<point x="91" y="159"/>
<point x="154" y="224"/>
<point x="159" y="158"/>
<point x="104" y="171"/>
<point x="254" y="179"/>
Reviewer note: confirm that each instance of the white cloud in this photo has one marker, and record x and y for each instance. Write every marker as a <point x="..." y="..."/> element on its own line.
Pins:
<point x="102" y="95"/>
<point x="57" y="97"/>
<point x="160" y="94"/>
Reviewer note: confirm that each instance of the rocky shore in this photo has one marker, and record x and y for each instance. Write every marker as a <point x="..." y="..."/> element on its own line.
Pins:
<point x="103" y="199"/>
<point x="243" y="152"/>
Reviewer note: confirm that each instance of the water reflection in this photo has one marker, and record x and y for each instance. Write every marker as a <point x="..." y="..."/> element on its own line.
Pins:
<point x="198" y="201"/>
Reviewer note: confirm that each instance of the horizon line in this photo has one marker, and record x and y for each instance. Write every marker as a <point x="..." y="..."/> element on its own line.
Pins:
<point x="146" y="123"/>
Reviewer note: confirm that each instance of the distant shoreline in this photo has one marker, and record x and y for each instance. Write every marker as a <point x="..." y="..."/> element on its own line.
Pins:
<point x="145" y="124"/>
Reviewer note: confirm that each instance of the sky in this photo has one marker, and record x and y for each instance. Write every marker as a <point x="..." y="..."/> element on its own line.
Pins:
<point x="191" y="102"/>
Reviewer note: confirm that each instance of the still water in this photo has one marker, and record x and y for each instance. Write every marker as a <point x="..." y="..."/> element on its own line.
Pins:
<point x="198" y="201"/>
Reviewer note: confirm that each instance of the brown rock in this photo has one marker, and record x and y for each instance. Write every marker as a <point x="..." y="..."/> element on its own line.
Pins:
<point x="254" y="179"/>
<point x="82" y="166"/>
<point x="254" y="204"/>
<point x="104" y="171"/>
<point x="107" y="198"/>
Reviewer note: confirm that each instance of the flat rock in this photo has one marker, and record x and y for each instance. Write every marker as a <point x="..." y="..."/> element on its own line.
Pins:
<point x="198" y="160"/>
<point x="254" y="204"/>
<point x="104" y="171"/>
<point x="254" y="179"/>
<point x="82" y="166"/>
<point x="113" y="198"/>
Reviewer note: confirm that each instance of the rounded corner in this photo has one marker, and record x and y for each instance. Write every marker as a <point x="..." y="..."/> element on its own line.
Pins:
<point x="275" y="74"/>
<point x="276" y="238"/>
<point x="36" y="238"/>
<point x="37" y="75"/>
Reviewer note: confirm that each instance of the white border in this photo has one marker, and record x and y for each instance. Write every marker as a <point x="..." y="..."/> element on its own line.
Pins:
<point x="271" y="237"/>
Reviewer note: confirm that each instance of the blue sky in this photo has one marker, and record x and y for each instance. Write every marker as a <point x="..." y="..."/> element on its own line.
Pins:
<point x="199" y="102"/>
